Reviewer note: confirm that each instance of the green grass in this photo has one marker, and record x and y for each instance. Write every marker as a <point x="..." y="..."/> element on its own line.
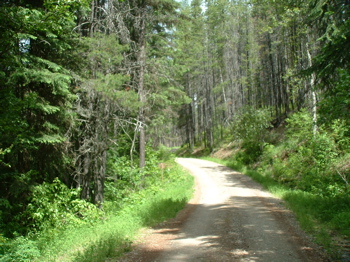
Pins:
<point x="113" y="235"/>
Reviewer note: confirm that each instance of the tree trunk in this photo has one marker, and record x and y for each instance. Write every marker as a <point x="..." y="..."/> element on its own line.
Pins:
<point x="141" y="88"/>
<point x="99" y="179"/>
<point x="313" y="94"/>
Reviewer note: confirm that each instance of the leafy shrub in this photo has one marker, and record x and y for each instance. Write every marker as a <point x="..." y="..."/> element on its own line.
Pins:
<point x="251" y="127"/>
<point x="165" y="153"/>
<point x="308" y="161"/>
<point x="341" y="169"/>
<point x="300" y="126"/>
<point x="20" y="249"/>
<point x="341" y="221"/>
<point x="251" y="124"/>
<point x="53" y="205"/>
<point x="339" y="131"/>
<point x="121" y="169"/>
<point x="125" y="178"/>
<point x="113" y="236"/>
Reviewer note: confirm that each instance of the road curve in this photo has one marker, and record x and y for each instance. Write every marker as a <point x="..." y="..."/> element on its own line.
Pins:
<point x="232" y="219"/>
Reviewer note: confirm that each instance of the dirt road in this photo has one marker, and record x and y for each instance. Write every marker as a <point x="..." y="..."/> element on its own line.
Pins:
<point x="231" y="218"/>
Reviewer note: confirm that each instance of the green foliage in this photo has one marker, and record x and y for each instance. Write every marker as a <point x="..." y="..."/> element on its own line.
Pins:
<point x="37" y="57"/>
<point x="107" y="238"/>
<point x="125" y="178"/>
<point x="333" y="21"/>
<point x="103" y="69"/>
<point x="299" y="126"/>
<point x="21" y="249"/>
<point x="335" y="103"/>
<point x="341" y="221"/>
<point x="165" y="153"/>
<point x="53" y="206"/>
<point x="251" y="126"/>
<point x="307" y="161"/>
<point x="165" y="96"/>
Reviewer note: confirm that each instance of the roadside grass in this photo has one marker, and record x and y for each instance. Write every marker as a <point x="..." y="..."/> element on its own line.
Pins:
<point x="327" y="219"/>
<point x="113" y="235"/>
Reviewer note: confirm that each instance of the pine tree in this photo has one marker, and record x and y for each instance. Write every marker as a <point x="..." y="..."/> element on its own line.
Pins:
<point x="103" y="102"/>
<point x="189" y="61"/>
<point x="139" y="22"/>
<point x="36" y="60"/>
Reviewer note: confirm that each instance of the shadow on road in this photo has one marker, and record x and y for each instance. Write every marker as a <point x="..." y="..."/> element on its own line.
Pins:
<point x="235" y="220"/>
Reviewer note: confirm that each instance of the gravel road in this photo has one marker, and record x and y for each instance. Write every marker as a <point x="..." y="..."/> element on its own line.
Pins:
<point x="231" y="218"/>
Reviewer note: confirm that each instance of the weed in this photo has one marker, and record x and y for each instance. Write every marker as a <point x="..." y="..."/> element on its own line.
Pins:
<point x="21" y="249"/>
<point x="74" y="230"/>
<point x="114" y="235"/>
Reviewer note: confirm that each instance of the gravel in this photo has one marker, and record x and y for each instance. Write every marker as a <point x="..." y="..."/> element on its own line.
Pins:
<point x="230" y="218"/>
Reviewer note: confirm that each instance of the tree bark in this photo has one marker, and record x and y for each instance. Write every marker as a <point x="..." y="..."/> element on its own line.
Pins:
<point x="141" y="88"/>
<point x="313" y="94"/>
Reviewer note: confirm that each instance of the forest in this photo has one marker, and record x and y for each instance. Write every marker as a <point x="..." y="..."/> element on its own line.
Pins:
<point x="96" y="94"/>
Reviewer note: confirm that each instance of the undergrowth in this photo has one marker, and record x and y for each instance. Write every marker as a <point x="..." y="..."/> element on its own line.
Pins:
<point x="163" y="194"/>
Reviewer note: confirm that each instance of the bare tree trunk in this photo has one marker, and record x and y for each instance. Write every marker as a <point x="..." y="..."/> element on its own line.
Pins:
<point x="141" y="88"/>
<point x="92" y="18"/>
<point x="313" y="94"/>
<point x="190" y="123"/>
<point x="84" y="177"/>
<point x="100" y="178"/>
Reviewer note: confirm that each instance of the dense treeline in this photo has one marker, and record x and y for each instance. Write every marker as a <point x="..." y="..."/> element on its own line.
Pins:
<point x="38" y="58"/>
<point x="78" y="89"/>
<point x="89" y="88"/>
<point x="251" y="56"/>
<point x="273" y="77"/>
<point x="248" y="67"/>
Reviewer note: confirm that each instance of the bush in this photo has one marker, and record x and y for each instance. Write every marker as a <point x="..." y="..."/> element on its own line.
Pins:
<point x="341" y="222"/>
<point x="54" y="206"/>
<point x="113" y="236"/>
<point x="309" y="161"/>
<point x="20" y="250"/>
<point x="300" y="126"/>
<point x="125" y="179"/>
<point x="251" y="127"/>
<point x="165" y="153"/>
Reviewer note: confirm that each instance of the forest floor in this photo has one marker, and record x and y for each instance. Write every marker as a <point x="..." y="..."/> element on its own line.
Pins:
<point x="230" y="218"/>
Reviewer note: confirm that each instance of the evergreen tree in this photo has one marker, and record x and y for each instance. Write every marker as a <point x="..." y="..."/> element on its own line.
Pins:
<point x="140" y="22"/>
<point x="36" y="81"/>
<point x="332" y="20"/>
<point x="331" y="65"/>
<point x="189" y="60"/>
<point x="103" y="102"/>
